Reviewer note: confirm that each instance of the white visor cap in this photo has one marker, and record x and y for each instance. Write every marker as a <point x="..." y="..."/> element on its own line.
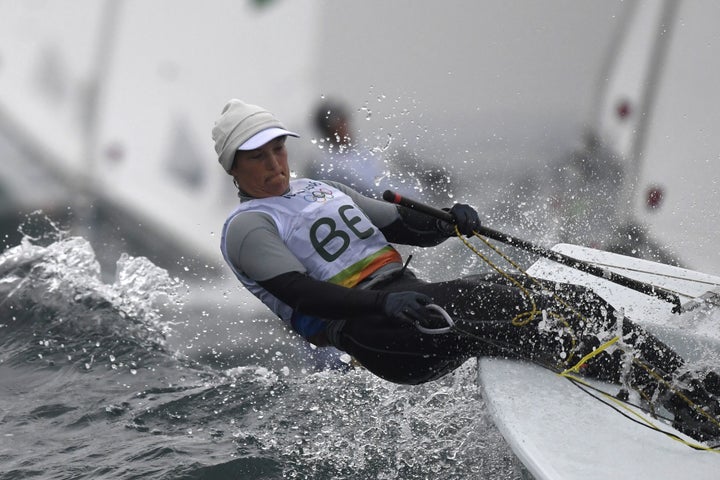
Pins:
<point x="263" y="137"/>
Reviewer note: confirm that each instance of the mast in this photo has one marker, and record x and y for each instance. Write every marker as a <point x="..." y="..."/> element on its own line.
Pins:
<point x="86" y="182"/>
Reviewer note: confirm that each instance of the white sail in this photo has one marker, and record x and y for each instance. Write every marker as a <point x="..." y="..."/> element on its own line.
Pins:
<point x="664" y="78"/>
<point x="154" y="150"/>
<point x="682" y="146"/>
<point x="125" y="113"/>
<point x="47" y="72"/>
<point x="628" y="71"/>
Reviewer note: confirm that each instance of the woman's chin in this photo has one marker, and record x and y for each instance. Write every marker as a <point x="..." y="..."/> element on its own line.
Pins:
<point x="278" y="184"/>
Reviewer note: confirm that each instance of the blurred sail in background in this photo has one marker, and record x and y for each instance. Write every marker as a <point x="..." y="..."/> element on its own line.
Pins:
<point x="658" y="113"/>
<point x="122" y="115"/>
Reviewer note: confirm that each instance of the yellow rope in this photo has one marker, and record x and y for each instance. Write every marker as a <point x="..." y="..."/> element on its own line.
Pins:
<point x="575" y="368"/>
<point x="638" y="414"/>
<point x="527" y="317"/>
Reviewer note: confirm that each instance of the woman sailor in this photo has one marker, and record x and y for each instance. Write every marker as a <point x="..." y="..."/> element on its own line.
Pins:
<point x="320" y="256"/>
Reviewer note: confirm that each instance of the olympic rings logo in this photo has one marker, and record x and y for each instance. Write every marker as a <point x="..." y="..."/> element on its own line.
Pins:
<point x="319" y="195"/>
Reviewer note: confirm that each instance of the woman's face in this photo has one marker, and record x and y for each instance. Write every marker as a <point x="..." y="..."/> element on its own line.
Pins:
<point x="263" y="172"/>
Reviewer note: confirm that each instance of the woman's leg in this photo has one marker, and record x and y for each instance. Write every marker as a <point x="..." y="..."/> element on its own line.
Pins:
<point x="647" y="365"/>
<point x="484" y="309"/>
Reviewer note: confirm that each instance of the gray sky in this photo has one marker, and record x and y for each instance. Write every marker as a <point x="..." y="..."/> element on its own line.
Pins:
<point x="478" y="59"/>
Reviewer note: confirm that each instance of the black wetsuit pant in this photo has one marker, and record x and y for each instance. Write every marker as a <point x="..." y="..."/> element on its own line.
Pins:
<point x="576" y="323"/>
<point x="483" y="308"/>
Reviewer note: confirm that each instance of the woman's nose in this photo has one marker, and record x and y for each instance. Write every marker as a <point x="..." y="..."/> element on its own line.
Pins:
<point x="272" y="162"/>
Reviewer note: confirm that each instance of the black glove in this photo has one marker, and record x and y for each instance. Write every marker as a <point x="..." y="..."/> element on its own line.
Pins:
<point x="466" y="219"/>
<point x="406" y="306"/>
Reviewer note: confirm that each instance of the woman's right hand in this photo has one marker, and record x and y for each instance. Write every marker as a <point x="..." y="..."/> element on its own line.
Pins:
<point x="409" y="307"/>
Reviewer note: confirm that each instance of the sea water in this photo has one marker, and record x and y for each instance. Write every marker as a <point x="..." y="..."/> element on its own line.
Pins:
<point x="108" y="380"/>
